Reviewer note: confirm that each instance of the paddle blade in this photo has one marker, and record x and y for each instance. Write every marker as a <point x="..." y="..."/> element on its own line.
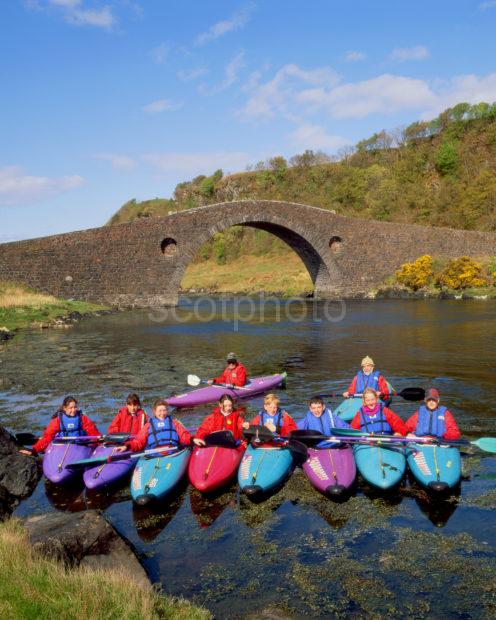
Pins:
<point x="26" y="439"/>
<point x="258" y="434"/>
<point x="85" y="463"/>
<point x="193" y="380"/>
<point x="348" y="432"/>
<point x="298" y="450"/>
<point x="222" y="439"/>
<point x="307" y="436"/>
<point x="413" y="394"/>
<point x="488" y="444"/>
<point x="116" y="438"/>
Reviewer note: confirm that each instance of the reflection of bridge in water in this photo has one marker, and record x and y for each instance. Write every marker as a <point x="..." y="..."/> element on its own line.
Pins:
<point x="142" y="263"/>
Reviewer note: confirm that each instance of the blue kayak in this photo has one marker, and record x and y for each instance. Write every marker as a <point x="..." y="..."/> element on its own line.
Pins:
<point x="263" y="469"/>
<point x="379" y="466"/>
<point x="438" y="468"/>
<point x="347" y="409"/>
<point x="156" y="476"/>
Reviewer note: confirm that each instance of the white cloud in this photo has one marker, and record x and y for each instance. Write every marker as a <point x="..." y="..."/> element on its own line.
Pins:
<point x="118" y="162"/>
<point x="75" y="12"/>
<point x="315" y="137"/>
<point x="354" y="56"/>
<point x="191" y="74"/>
<point x="161" y="105"/>
<point x="197" y="163"/>
<point x="462" y="89"/>
<point x="237" y="21"/>
<point x="159" y="54"/>
<point x="402" y="54"/>
<point x="16" y="188"/>
<point x="231" y="71"/>
<point x="491" y="4"/>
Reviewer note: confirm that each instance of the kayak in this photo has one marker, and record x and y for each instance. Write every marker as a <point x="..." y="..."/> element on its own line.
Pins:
<point x="330" y="470"/>
<point x="379" y="466"/>
<point x="347" y="409"/>
<point x="156" y="476"/>
<point x="263" y="469"/>
<point x="107" y="474"/>
<point x="58" y="455"/>
<point x="212" y="393"/>
<point x="212" y="467"/>
<point x="438" y="468"/>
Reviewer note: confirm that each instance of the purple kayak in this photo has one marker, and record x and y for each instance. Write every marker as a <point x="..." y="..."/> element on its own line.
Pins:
<point x="58" y="455"/>
<point x="107" y="474"/>
<point x="212" y="393"/>
<point x="330" y="470"/>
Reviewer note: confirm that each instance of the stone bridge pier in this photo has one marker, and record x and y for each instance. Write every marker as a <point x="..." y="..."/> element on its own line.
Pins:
<point x="142" y="263"/>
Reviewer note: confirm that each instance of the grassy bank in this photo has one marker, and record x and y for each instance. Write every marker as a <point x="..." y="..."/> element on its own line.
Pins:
<point x="36" y="587"/>
<point x="274" y="273"/>
<point x="22" y="307"/>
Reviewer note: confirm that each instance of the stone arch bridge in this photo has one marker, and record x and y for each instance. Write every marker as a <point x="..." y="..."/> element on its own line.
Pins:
<point x="142" y="263"/>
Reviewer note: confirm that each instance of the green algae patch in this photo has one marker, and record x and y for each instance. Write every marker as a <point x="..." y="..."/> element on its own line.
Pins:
<point x="486" y="501"/>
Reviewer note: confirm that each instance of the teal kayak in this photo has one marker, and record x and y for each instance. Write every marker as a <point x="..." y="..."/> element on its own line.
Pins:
<point x="438" y="468"/>
<point x="347" y="409"/>
<point x="263" y="469"/>
<point x="379" y="466"/>
<point x="154" y="477"/>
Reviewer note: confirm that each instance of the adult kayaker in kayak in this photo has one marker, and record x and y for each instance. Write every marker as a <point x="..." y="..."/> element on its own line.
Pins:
<point x="273" y="417"/>
<point x="234" y="374"/>
<point x="224" y="417"/>
<point x="68" y="421"/>
<point x="320" y="418"/>
<point x="432" y="419"/>
<point x="162" y="430"/>
<point x="368" y="378"/>
<point x="129" y="419"/>
<point x="374" y="417"/>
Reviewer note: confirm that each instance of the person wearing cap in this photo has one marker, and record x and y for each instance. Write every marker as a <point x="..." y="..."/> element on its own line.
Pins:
<point x="368" y="378"/>
<point x="433" y="419"/>
<point x="234" y="374"/>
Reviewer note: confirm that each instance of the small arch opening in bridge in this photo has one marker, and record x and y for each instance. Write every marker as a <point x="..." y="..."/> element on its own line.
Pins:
<point x="335" y="244"/>
<point x="247" y="259"/>
<point x="168" y="246"/>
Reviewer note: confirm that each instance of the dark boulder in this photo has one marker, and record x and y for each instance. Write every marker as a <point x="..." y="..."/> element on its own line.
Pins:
<point x="19" y="474"/>
<point x="83" y="539"/>
<point x="5" y="334"/>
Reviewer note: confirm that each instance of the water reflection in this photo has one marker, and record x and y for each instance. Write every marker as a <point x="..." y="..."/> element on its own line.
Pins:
<point x="152" y="519"/>
<point x="208" y="508"/>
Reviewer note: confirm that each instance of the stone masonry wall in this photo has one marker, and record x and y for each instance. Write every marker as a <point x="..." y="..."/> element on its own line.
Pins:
<point x="142" y="263"/>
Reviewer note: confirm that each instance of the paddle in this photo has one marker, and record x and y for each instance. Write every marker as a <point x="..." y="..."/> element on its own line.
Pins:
<point x="28" y="439"/>
<point x="120" y="456"/>
<point x="413" y="394"/>
<point x="220" y="439"/>
<point x="260" y="434"/>
<point x="194" y="381"/>
<point x="487" y="444"/>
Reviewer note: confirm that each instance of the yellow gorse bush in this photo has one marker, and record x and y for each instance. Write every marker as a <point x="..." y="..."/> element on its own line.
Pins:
<point x="417" y="274"/>
<point x="460" y="273"/>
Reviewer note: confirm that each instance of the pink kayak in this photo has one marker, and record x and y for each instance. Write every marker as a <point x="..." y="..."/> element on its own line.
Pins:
<point x="213" y="467"/>
<point x="212" y="393"/>
<point x="330" y="470"/>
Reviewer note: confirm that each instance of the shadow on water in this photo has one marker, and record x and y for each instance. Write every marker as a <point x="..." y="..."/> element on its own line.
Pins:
<point x="208" y="508"/>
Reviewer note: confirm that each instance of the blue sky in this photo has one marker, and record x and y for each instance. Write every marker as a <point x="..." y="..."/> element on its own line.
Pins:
<point x="107" y="100"/>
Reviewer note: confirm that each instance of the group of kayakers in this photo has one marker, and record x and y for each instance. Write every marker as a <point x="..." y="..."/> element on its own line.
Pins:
<point x="162" y="429"/>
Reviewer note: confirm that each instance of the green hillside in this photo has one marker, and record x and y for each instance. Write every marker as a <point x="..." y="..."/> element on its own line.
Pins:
<point x="440" y="173"/>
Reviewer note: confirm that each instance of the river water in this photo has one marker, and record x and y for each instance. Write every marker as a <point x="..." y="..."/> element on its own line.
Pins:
<point x="297" y="553"/>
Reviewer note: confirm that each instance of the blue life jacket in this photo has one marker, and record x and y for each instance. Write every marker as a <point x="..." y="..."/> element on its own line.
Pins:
<point x="70" y="426"/>
<point x="431" y="422"/>
<point x="324" y="424"/>
<point x="367" y="381"/>
<point x="161" y="433"/>
<point x="378" y="424"/>
<point x="276" y="419"/>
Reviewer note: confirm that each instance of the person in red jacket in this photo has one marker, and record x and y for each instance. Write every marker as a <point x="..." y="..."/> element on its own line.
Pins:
<point x="234" y="374"/>
<point x="67" y="422"/>
<point x="433" y="419"/>
<point x="160" y="431"/>
<point x="224" y="417"/>
<point x="374" y="417"/>
<point x="272" y="417"/>
<point x="368" y="378"/>
<point x="129" y="419"/>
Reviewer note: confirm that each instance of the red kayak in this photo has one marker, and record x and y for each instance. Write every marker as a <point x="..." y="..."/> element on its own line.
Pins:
<point x="213" y="466"/>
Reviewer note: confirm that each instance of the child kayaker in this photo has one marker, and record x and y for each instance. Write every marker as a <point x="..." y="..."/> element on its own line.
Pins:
<point x="129" y="419"/>
<point x="368" y="378"/>
<point x="234" y="374"/>
<point x="320" y="418"/>
<point x="224" y="417"/>
<point x="68" y="421"/>
<point x="433" y="419"/>
<point x="162" y="430"/>
<point x="374" y="417"/>
<point x="272" y="417"/>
